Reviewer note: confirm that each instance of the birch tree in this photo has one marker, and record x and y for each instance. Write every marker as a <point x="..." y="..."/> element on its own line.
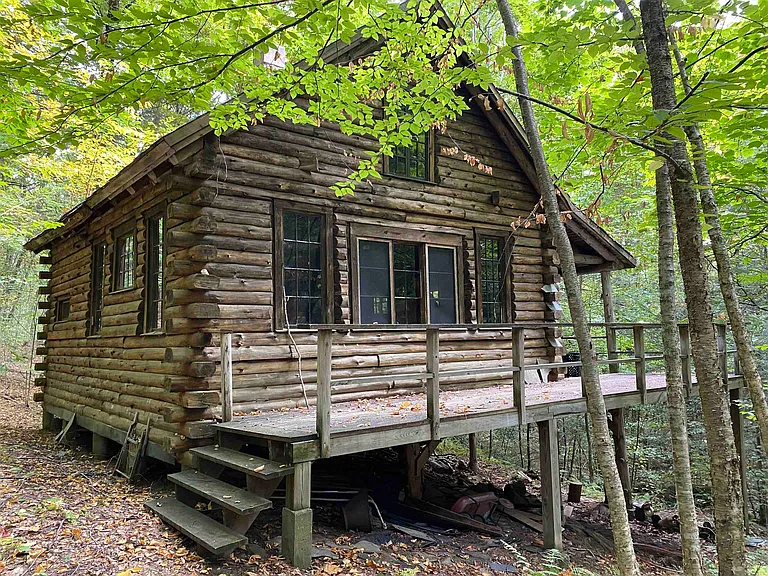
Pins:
<point x="725" y="474"/>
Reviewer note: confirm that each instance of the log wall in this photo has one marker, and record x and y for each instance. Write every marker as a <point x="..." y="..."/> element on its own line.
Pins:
<point x="219" y="277"/>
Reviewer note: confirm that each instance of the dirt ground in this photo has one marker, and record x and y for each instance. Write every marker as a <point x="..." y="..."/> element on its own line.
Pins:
<point x="63" y="512"/>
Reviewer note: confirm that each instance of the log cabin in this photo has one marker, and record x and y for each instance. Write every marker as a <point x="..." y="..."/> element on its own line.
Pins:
<point x="229" y="258"/>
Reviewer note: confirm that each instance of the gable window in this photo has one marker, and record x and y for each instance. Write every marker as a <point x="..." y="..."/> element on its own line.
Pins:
<point x="155" y="252"/>
<point x="403" y="280"/>
<point x="492" y="285"/>
<point x="96" y="303"/>
<point x="412" y="161"/>
<point x="62" y="309"/>
<point x="125" y="260"/>
<point x="302" y="277"/>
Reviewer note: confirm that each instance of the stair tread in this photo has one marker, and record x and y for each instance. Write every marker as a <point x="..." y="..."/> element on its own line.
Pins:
<point x="223" y="494"/>
<point x="253" y="465"/>
<point x="211" y="535"/>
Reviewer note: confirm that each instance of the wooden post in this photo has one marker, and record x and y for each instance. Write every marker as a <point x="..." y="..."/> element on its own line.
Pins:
<point x="639" y="352"/>
<point x="616" y="425"/>
<point x="609" y="315"/>
<point x="737" y="422"/>
<point x="722" y="351"/>
<point x="550" y="485"/>
<point x="226" y="377"/>
<point x="473" y="452"/>
<point x="324" y="350"/>
<point x="685" y="355"/>
<point x="297" y="517"/>
<point x="518" y="377"/>
<point x="433" y="381"/>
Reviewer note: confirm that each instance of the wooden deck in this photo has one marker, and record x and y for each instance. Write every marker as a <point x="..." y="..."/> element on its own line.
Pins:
<point x="402" y="419"/>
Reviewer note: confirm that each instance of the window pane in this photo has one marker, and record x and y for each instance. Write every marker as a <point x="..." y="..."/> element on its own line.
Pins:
<point x="154" y="250"/>
<point x="373" y="259"/>
<point x="97" y="287"/>
<point x="442" y="285"/>
<point x="407" y="276"/>
<point x="124" y="258"/>
<point x="411" y="160"/>
<point x="302" y="268"/>
<point x="491" y="279"/>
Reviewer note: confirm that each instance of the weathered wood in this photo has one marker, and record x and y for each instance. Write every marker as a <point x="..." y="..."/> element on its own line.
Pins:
<point x="609" y="316"/>
<point x="640" y="367"/>
<point x="550" y="485"/>
<point x="297" y="517"/>
<point x="324" y="352"/>
<point x="433" y="381"/>
<point x="722" y="350"/>
<point x="518" y="377"/>
<point x="737" y="422"/>
<point x="685" y="354"/>
<point x="226" y="377"/>
<point x="618" y="431"/>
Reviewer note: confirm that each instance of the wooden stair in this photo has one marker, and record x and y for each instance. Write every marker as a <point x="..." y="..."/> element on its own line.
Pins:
<point x="212" y="536"/>
<point x="239" y="508"/>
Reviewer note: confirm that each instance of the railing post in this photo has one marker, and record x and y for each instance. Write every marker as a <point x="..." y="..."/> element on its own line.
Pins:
<point x="226" y="377"/>
<point x="433" y="381"/>
<point x="610" y="338"/>
<point x="518" y="376"/>
<point x="324" y="351"/>
<point x="685" y="356"/>
<point x="722" y="351"/>
<point x="639" y="352"/>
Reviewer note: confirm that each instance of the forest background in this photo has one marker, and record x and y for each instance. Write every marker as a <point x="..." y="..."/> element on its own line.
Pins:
<point x="54" y="153"/>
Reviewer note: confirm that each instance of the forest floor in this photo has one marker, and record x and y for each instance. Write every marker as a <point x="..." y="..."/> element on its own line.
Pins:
<point x="63" y="512"/>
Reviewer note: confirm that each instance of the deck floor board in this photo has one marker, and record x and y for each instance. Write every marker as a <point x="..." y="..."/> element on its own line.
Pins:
<point x="408" y="410"/>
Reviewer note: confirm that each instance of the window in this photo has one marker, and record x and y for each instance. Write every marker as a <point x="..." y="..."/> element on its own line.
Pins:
<point x="412" y="161"/>
<point x="62" y="309"/>
<point x="125" y="262"/>
<point x="155" y="251"/>
<point x="491" y="278"/>
<point x="402" y="280"/>
<point x="96" y="304"/>
<point x="302" y="281"/>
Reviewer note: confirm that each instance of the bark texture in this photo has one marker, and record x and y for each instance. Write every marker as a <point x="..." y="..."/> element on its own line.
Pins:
<point x="686" y="507"/>
<point x="625" y="554"/>
<point x="724" y="463"/>
<point x="723" y="260"/>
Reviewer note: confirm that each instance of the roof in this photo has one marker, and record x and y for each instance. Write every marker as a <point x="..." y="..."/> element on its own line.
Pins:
<point x="582" y="230"/>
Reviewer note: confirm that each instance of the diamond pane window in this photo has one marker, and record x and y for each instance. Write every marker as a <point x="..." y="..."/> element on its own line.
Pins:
<point x="155" y="250"/>
<point x="124" y="261"/>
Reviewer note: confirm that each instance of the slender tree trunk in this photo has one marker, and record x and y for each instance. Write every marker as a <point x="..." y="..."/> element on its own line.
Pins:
<point x="670" y="335"/>
<point x="724" y="464"/>
<point x="722" y="259"/>
<point x="625" y="554"/>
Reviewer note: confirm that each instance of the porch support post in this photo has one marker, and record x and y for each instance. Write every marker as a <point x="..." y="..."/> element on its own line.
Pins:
<point x="518" y="376"/>
<point x="324" y="351"/>
<point x="609" y="316"/>
<point x="297" y="517"/>
<point x="737" y="421"/>
<point x="100" y="446"/>
<point x="550" y="485"/>
<point x="616" y="425"/>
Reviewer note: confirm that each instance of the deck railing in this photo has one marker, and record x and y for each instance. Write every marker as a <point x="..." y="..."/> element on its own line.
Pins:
<point x="325" y="382"/>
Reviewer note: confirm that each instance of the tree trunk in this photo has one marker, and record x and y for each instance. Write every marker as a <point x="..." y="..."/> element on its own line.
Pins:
<point x="590" y="466"/>
<point x="673" y="367"/>
<point x="724" y="273"/>
<point x="625" y="554"/>
<point x="724" y="466"/>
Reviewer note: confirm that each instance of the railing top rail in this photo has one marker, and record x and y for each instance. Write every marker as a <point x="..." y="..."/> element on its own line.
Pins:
<point x="473" y="327"/>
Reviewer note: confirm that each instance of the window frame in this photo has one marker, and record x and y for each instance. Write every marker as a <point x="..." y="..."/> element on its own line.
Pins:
<point x="279" y="207"/>
<point x="430" y="173"/>
<point x="507" y="242"/>
<point x="423" y="239"/>
<point x="58" y="311"/>
<point x="157" y="212"/>
<point x="118" y="233"/>
<point x="91" y="330"/>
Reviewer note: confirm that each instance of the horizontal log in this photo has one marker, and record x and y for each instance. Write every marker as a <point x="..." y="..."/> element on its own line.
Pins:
<point x="180" y="297"/>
